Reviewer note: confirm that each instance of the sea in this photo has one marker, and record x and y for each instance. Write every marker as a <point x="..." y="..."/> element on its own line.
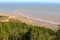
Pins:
<point x="46" y="12"/>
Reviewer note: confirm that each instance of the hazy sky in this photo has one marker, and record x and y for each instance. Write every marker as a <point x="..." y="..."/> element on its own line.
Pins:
<point x="29" y="0"/>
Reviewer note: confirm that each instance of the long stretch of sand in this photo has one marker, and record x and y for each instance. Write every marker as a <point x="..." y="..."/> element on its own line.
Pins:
<point x="33" y="21"/>
<point x="19" y="17"/>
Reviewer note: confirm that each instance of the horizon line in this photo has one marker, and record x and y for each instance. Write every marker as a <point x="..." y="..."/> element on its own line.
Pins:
<point x="30" y="2"/>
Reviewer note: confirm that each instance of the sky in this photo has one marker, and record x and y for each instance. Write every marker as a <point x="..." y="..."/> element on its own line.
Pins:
<point x="29" y="0"/>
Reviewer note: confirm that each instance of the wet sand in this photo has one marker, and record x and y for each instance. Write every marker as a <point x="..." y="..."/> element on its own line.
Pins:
<point x="32" y="21"/>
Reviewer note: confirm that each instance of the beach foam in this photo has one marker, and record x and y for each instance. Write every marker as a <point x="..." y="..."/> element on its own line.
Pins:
<point x="40" y="19"/>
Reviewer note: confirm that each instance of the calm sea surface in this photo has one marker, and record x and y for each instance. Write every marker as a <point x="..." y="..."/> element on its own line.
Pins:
<point x="46" y="11"/>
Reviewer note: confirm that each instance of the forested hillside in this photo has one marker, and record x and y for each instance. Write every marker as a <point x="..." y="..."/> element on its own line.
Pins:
<point x="14" y="30"/>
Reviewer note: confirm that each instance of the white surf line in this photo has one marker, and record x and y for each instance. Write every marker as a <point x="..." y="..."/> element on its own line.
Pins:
<point x="22" y="15"/>
<point x="44" y="21"/>
<point x="40" y="20"/>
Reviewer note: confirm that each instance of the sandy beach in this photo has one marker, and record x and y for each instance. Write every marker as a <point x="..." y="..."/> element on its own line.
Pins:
<point x="31" y="21"/>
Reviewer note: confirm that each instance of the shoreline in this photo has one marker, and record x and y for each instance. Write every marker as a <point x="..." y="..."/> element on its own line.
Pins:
<point x="33" y="21"/>
<point x="42" y="23"/>
<point x="51" y="22"/>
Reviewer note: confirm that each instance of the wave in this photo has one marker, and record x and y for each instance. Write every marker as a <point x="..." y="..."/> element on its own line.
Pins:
<point x="34" y="18"/>
<point x="40" y="19"/>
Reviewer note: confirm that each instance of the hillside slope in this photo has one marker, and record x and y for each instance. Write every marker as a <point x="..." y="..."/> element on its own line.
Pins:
<point x="15" y="30"/>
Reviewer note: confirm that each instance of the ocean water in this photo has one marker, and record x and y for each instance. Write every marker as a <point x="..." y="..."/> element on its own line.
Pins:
<point x="47" y="12"/>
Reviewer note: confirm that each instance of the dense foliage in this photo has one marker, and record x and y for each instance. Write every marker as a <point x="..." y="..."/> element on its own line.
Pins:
<point x="20" y="31"/>
<point x="2" y="16"/>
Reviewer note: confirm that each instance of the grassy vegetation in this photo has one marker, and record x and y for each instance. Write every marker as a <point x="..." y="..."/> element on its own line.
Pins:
<point x="1" y="16"/>
<point x="20" y="31"/>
